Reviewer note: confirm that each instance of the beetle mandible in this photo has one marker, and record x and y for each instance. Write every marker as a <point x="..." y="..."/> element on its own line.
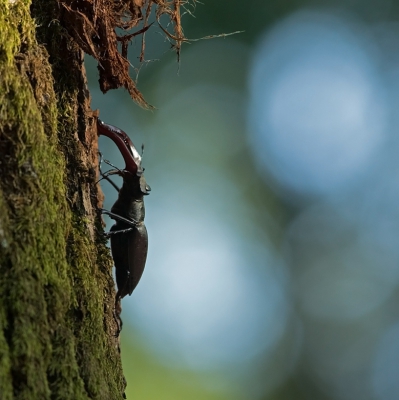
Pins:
<point x="129" y="239"/>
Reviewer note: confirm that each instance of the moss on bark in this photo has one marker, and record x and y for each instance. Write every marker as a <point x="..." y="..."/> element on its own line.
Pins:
<point x="56" y="289"/>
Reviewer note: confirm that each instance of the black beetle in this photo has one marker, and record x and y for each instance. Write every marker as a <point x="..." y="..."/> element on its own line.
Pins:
<point x="129" y="239"/>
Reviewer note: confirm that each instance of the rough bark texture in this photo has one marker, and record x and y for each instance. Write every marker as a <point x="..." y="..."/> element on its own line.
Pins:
<point x="57" y="331"/>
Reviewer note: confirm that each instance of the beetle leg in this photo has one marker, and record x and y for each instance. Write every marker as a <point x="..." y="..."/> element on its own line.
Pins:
<point x="111" y="165"/>
<point x="104" y="175"/>
<point x="108" y="234"/>
<point x="117" y="217"/>
<point x="112" y="172"/>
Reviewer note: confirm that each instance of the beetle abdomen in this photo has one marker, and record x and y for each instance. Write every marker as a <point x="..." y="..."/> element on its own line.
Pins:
<point x="129" y="251"/>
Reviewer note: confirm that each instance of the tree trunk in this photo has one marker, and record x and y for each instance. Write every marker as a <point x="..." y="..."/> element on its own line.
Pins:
<point x="57" y="330"/>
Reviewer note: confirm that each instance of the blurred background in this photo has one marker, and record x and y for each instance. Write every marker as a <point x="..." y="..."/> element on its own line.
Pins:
<point x="273" y="265"/>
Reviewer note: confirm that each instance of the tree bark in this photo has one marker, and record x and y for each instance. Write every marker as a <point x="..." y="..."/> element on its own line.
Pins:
<point x="57" y="330"/>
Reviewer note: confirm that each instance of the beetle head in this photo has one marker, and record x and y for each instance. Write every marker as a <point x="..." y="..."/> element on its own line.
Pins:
<point x="144" y="187"/>
<point x="125" y="145"/>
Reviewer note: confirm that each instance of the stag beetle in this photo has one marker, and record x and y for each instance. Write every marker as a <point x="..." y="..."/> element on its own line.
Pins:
<point x="129" y="240"/>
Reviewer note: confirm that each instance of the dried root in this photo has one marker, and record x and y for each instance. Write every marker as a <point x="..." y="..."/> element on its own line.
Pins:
<point x="94" y="23"/>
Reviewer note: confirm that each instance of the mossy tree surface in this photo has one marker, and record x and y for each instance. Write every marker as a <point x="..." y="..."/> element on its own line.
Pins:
<point x="57" y="332"/>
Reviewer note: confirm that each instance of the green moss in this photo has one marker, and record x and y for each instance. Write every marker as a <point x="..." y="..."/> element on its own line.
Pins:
<point x="55" y="331"/>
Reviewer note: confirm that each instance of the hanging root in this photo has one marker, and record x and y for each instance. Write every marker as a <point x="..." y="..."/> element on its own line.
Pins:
<point x="94" y="25"/>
